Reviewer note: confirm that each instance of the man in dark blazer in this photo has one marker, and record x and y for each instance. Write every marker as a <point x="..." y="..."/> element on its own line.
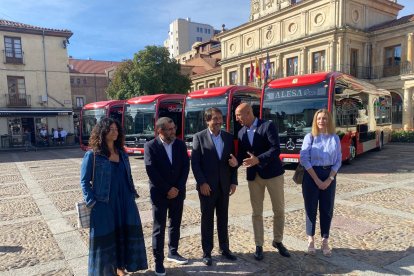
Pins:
<point x="167" y="165"/>
<point x="259" y="151"/>
<point x="214" y="168"/>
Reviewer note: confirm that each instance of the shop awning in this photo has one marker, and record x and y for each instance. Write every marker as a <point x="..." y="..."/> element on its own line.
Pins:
<point x="35" y="112"/>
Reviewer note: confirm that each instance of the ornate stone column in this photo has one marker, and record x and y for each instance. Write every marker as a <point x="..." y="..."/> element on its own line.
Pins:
<point x="332" y="55"/>
<point x="410" y="49"/>
<point x="278" y="67"/>
<point x="240" y="75"/>
<point x="340" y="50"/>
<point x="304" y="61"/>
<point x="407" y="119"/>
<point x="224" y="76"/>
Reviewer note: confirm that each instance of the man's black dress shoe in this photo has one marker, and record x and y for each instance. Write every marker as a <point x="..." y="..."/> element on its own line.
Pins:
<point x="229" y="255"/>
<point x="258" y="255"/>
<point x="207" y="259"/>
<point x="281" y="248"/>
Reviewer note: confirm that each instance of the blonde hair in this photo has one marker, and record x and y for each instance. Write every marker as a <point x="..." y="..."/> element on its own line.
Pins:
<point x="330" y="129"/>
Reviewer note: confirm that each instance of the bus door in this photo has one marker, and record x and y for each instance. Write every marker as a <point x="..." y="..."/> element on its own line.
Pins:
<point x="173" y="110"/>
<point x="238" y="98"/>
<point x="115" y="112"/>
<point x="250" y="98"/>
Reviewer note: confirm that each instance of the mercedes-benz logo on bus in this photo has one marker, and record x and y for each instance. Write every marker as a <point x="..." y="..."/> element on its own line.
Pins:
<point x="290" y="145"/>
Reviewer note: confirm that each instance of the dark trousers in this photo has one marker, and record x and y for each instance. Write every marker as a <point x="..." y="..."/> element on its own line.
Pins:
<point x="218" y="201"/>
<point x="174" y="208"/>
<point x="312" y="195"/>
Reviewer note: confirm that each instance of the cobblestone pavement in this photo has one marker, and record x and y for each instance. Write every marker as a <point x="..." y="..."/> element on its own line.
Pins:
<point x="372" y="231"/>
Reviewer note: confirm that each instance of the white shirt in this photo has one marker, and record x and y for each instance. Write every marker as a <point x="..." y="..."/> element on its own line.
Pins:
<point x="55" y="134"/>
<point x="218" y="143"/>
<point x="43" y="132"/>
<point x="251" y="130"/>
<point x="63" y="133"/>
<point x="168" y="148"/>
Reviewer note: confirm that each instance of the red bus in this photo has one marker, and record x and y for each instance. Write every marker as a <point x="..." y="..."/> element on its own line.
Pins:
<point x="141" y="113"/>
<point x="361" y="111"/>
<point x="226" y="98"/>
<point x="92" y="113"/>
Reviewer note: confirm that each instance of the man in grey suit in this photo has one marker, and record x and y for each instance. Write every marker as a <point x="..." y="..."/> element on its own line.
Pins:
<point x="215" y="170"/>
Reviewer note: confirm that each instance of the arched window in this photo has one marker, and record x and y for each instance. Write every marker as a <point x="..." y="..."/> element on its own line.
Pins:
<point x="396" y="108"/>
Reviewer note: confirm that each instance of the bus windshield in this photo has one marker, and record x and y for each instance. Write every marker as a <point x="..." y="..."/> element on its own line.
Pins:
<point x="90" y="117"/>
<point x="139" y="120"/>
<point x="292" y="109"/>
<point x="194" y="113"/>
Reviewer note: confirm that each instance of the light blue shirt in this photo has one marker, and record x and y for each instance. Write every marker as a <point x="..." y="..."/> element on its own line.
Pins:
<point x="251" y="130"/>
<point x="218" y="143"/>
<point x="324" y="151"/>
<point x="168" y="148"/>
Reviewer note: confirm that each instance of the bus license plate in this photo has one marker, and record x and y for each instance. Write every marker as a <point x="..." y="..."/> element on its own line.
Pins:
<point x="138" y="152"/>
<point x="291" y="160"/>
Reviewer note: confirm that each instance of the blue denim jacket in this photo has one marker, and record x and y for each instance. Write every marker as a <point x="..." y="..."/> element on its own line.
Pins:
<point x="102" y="180"/>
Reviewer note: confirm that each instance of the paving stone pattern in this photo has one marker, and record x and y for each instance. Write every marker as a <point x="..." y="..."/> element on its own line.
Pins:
<point x="372" y="230"/>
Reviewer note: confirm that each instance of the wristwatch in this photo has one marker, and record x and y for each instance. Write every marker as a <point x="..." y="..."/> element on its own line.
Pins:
<point x="332" y="178"/>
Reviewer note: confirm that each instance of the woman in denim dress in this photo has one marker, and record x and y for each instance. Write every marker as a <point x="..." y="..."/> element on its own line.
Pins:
<point x="116" y="241"/>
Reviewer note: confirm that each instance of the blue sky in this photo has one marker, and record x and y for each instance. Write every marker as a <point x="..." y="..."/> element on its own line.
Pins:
<point x="115" y="30"/>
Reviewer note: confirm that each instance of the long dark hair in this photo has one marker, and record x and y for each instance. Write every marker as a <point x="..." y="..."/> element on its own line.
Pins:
<point x="97" y="140"/>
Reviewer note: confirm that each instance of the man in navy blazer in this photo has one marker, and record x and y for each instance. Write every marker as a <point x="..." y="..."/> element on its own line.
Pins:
<point x="215" y="170"/>
<point x="167" y="165"/>
<point x="259" y="151"/>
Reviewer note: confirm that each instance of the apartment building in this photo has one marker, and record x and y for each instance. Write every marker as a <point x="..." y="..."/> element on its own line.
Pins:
<point x="88" y="82"/>
<point x="183" y="33"/>
<point x="34" y="81"/>
<point x="365" y="39"/>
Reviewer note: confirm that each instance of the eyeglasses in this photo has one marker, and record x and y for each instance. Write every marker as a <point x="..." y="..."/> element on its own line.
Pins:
<point x="169" y="129"/>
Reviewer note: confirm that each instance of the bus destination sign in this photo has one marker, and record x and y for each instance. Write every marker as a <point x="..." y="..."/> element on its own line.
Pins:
<point x="299" y="92"/>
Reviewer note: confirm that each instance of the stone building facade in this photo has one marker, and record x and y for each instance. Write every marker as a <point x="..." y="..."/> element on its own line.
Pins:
<point x="34" y="82"/>
<point x="357" y="37"/>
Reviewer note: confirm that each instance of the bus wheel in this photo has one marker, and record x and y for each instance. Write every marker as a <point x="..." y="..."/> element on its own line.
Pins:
<point x="352" y="153"/>
<point x="381" y="142"/>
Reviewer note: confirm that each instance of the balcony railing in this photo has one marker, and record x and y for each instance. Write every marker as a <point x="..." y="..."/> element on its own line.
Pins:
<point x="377" y="72"/>
<point x="13" y="57"/>
<point x="20" y="100"/>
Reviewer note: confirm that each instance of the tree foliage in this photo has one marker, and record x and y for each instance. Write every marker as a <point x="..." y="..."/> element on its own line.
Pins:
<point x="151" y="71"/>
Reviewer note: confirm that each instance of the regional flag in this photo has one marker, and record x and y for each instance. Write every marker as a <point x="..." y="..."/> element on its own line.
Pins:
<point x="257" y="69"/>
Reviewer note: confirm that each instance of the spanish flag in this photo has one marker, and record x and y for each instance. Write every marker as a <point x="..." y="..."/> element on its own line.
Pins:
<point x="257" y="69"/>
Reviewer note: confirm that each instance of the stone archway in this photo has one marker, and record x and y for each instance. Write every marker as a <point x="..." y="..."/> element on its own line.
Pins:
<point x="397" y="107"/>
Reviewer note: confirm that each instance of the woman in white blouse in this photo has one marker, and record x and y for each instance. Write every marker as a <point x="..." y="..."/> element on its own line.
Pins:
<point x="321" y="157"/>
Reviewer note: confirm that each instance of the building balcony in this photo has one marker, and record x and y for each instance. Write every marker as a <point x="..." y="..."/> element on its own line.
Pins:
<point x="18" y="100"/>
<point x="376" y="72"/>
<point x="397" y="69"/>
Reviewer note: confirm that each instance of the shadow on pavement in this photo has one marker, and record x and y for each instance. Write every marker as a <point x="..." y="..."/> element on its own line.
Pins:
<point x="42" y="155"/>
<point x="369" y="261"/>
<point x="394" y="158"/>
<point x="10" y="249"/>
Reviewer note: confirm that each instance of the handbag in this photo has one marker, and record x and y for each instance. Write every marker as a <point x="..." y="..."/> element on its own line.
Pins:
<point x="298" y="175"/>
<point x="299" y="172"/>
<point x="84" y="212"/>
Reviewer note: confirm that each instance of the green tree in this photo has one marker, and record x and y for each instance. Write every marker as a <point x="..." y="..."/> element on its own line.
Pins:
<point x="151" y="71"/>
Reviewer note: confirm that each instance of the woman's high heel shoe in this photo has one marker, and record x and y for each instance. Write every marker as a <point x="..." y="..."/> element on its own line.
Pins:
<point x="326" y="250"/>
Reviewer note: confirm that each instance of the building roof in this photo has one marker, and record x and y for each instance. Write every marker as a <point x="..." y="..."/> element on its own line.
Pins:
<point x="86" y="66"/>
<point x="16" y="27"/>
<point x="206" y="72"/>
<point x="393" y="23"/>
